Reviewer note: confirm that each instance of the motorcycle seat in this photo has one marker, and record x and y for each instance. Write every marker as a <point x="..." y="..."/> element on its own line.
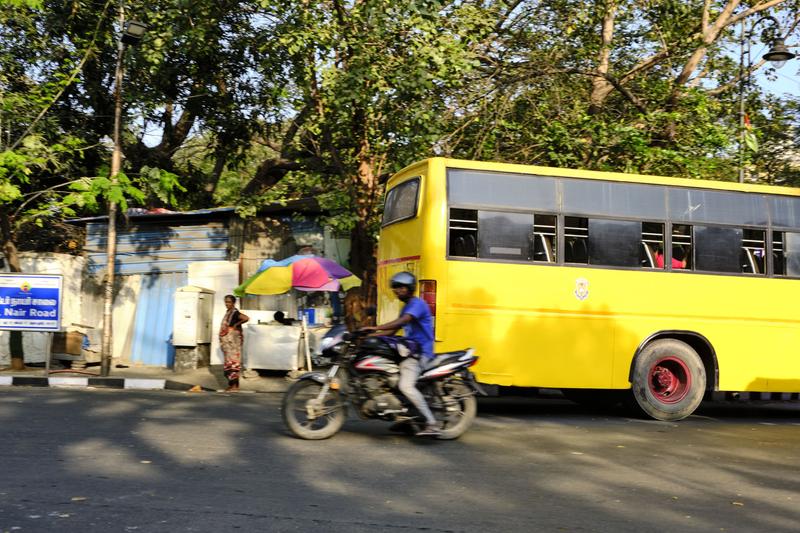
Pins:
<point x="443" y="357"/>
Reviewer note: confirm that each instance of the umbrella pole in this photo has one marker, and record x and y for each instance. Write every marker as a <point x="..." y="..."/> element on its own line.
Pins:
<point x="306" y="342"/>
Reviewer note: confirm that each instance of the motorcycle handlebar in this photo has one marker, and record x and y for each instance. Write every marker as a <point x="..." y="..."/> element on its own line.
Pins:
<point x="353" y="335"/>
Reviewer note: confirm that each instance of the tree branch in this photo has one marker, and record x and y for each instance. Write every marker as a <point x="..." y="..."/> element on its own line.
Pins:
<point x="272" y="171"/>
<point x="755" y="9"/>
<point x="69" y="81"/>
<point x="616" y="84"/>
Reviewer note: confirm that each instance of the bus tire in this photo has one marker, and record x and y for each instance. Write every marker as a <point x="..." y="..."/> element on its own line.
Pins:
<point x="668" y="380"/>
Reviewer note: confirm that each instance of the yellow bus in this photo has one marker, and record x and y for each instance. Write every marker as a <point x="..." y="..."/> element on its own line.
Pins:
<point x="595" y="281"/>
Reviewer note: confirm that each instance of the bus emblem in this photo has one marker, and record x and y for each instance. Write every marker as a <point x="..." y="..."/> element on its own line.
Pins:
<point x="581" y="288"/>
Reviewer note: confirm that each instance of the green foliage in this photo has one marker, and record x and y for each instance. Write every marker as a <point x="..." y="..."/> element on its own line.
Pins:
<point x="159" y="183"/>
<point x="253" y="102"/>
<point x="32" y="4"/>
<point x="544" y="106"/>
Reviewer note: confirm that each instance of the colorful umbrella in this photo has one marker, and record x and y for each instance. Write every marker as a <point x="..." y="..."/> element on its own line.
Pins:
<point x="301" y="272"/>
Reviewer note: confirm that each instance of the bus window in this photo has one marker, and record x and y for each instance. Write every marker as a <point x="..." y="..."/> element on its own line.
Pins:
<point x="401" y="202"/>
<point x="463" y="233"/>
<point x="504" y="235"/>
<point x="614" y="242"/>
<point x="717" y="249"/>
<point x="652" y="244"/>
<point x="576" y="237"/>
<point x="752" y="256"/>
<point x="791" y="253"/>
<point x="544" y="238"/>
<point x="786" y="253"/>
<point x="682" y="246"/>
<point x="778" y="264"/>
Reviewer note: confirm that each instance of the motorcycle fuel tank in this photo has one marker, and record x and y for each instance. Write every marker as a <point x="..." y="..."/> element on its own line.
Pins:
<point x="376" y="363"/>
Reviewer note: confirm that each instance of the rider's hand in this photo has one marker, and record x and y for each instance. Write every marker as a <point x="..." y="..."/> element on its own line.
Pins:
<point x="367" y="329"/>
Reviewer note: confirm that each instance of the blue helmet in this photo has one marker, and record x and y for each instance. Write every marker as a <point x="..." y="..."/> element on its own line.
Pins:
<point x="404" y="279"/>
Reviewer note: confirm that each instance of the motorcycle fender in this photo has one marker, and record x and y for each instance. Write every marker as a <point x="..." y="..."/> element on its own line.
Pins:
<point x="322" y="379"/>
<point x="469" y="377"/>
<point x="319" y="377"/>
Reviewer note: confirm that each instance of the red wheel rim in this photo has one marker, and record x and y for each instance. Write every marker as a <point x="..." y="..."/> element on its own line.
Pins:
<point x="669" y="380"/>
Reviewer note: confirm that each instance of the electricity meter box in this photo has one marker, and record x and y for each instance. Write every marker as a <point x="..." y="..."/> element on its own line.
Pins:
<point x="191" y="327"/>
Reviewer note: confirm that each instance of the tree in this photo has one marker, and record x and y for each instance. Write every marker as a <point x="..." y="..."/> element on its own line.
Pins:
<point x="352" y="91"/>
<point x="615" y="85"/>
<point x="38" y="166"/>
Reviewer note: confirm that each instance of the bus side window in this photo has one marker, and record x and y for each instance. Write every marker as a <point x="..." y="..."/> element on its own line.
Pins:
<point x="682" y="247"/>
<point x="576" y="237"/>
<point x="718" y="248"/>
<point x="786" y="245"/>
<point x="778" y="263"/>
<point x="752" y="255"/>
<point x="544" y="238"/>
<point x="652" y="244"/>
<point x="463" y="232"/>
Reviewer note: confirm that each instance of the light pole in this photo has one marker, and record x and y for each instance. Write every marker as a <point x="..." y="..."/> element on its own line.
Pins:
<point x="132" y="33"/>
<point x="778" y="55"/>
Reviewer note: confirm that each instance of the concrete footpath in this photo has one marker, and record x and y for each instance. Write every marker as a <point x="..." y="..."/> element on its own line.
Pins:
<point x="209" y="379"/>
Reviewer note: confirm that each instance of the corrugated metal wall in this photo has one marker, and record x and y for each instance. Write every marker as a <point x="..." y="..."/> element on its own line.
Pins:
<point x="152" y="330"/>
<point x="149" y="248"/>
<point x="161" y="253"/>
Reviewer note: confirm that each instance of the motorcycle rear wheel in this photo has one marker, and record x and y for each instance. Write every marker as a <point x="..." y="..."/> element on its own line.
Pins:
<point x="456" y="423"/>
<point x="296" y="411"/>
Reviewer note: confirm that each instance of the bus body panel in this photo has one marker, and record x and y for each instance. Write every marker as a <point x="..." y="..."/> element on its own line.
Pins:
<point x="566" y="326"/>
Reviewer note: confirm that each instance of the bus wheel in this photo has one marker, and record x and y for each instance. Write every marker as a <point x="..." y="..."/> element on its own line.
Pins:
<point x="669" y="380"/>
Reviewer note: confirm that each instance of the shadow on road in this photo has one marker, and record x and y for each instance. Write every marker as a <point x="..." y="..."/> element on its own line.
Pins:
<point x="208" y="462"/>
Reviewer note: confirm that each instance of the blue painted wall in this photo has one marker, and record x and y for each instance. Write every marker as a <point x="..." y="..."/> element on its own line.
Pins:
<point x="152" y="332"/>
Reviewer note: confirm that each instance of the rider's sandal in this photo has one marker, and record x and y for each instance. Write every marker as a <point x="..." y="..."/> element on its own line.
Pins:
<point x="429" y="431"/>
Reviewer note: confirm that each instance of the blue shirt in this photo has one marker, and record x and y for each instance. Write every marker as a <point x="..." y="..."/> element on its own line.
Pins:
<point x="420" y="328"/>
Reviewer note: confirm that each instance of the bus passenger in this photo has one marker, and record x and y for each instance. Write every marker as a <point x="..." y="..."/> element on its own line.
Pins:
<point x="678" y="258"/>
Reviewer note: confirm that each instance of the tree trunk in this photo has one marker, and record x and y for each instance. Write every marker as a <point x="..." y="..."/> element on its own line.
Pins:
<point x="12" y="257"/>
<point x="601" y="87"/>
<point x="362" y="245"/>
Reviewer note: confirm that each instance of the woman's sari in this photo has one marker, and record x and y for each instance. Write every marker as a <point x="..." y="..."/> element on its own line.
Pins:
<point x="230" y="340"/>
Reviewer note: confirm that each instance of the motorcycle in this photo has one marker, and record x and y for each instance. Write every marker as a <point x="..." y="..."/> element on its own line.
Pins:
<point x="364" y="373"/>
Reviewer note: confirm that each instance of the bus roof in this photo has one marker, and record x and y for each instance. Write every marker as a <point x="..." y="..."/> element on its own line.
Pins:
<point x="597" y="175"/>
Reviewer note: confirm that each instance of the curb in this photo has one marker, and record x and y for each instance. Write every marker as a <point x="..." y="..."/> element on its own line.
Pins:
<point x="104" y="383"/>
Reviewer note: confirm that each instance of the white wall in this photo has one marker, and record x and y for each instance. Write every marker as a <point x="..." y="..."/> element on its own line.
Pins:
<point x="221" y="277"/>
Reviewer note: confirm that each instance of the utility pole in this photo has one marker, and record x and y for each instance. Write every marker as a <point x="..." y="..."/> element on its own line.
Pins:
<point x="131" y="33"/>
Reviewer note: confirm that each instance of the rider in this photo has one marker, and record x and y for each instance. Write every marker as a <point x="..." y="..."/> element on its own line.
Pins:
<point x="417" y="323"/>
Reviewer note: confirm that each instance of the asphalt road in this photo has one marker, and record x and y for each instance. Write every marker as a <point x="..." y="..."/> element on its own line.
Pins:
<point x="165" y="461"/>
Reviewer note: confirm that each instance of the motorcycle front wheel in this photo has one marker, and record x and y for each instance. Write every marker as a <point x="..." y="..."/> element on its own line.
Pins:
<point x="459" y="410"/>
<point x="309" y="417"/>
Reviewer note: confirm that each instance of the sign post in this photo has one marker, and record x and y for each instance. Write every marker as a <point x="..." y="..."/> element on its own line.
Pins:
<point x="31" y="302"/>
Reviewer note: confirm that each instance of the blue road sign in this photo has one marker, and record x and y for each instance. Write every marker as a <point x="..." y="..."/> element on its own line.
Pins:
<point x="30" y="302"/>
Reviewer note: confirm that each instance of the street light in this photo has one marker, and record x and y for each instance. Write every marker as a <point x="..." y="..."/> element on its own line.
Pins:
<point x="778" y="55"/>
<point x="132" y="33"/>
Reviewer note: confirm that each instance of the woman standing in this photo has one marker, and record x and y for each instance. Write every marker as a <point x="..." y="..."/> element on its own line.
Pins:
<point x="230" y="339"/>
